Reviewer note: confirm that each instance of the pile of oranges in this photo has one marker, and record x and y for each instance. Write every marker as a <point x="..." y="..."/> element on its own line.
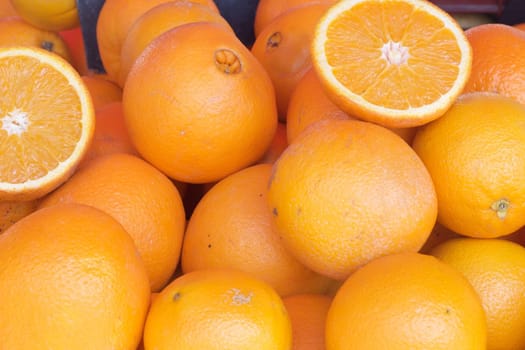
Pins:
<point x="353" y="180"/>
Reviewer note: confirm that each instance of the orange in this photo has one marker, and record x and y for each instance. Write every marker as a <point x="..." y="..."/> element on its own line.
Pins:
<point x="402" y="68"/>
<point x="283" y="48"/>
<point x="102" y="91"/>
<point x="47" y="122"/>
<point x="217" y="117"/>
<point x="498" y="64"/>
<point x="309" y="103"/>
<point x="308" y="316"/>
<point x="75" y="44"/>
<point x="16" y="32"/>
<point x="232" y="227"/>
<point x="111" y="135"/>
<point x="53" y="15"/>
<point x="12" y="211"/>
<point x="268" y="10"/>
<point x="475" y="154"/>
<point x="406" y="301"/>
<point x="520" y="26"/>
<point x="71" y="278"/>
<point x="496" y="270"/>
<point x="144" y="201"/>
<point x="346" y="192"/>
<point x="217" y="309"/>
<point x="277" y="146"/>
<point x="115" y="19"/>
<point x="7" y="9"/>
<point x="158" y="20"/>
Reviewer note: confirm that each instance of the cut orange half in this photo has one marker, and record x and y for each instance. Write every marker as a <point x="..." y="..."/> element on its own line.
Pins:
<point x="398" y="63"/>
<point x="46" y="122"/>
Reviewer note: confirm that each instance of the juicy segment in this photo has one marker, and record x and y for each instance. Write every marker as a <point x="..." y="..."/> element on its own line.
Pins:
<point x="32" y="142"/>
<point x="400" y="58"/>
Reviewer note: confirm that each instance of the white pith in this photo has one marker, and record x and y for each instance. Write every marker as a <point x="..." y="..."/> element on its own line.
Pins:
<point x="15" y="122"/>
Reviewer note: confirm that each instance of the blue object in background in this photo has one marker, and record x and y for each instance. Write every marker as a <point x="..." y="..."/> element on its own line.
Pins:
<point x="240" y="14"/>
<point x="88" y="11"/>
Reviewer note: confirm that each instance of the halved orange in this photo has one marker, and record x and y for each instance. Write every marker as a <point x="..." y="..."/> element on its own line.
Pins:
<point x="398" y="63"/>
<point x="46" y="122"/>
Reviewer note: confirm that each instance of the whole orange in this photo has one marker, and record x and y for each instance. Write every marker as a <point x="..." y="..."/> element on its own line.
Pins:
<point x="232" y="227"/>
<point x="219" y="114"/>
<point x="498" y="60"/>
<point x="156" y="21"/>
<point x="217" y="309"/>
<point x="406" y="301"/>
<point x="283" y="48"/>
<point x="475" y="154"/>
<point x="346" y="192"/>
<point x="308" y="315"/>
<point x="138" y="196"/>
<point x="114" y="21"/>
<point x="71" y="278"/>
<point x="496" y="270"/>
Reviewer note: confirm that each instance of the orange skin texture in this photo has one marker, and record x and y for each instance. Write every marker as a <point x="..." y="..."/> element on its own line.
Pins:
<point x="218" y="309"/>
<point x="54" y="15"/>
<point x="496" y="270"/>
<point x="158" y="20"/>
<point x="232" y="227"/>
<point x="268" y="10"/>
<point x="102" y="91"/>
<point x="141" y="198"/>
<point x="6" y="9"/>
<point x="346" y="192"/>
<point x="406" y="301"/>
<point x="71" y="278"/>
<point x="111" y="135"/>
<point x="475" y="154"/>
<point x="15" y="31"/>
<point x="283" y="48"/>
<point x="216" y="118"/>
<point x="498" y="60"/>
<point x="115" y="19"/>
<point x="308" y="315"/>
<point x="309" y="103"/>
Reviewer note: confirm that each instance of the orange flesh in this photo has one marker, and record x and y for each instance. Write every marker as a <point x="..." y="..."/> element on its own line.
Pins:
<point x="39" y="144"/>
<point x="428" y="56"/>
